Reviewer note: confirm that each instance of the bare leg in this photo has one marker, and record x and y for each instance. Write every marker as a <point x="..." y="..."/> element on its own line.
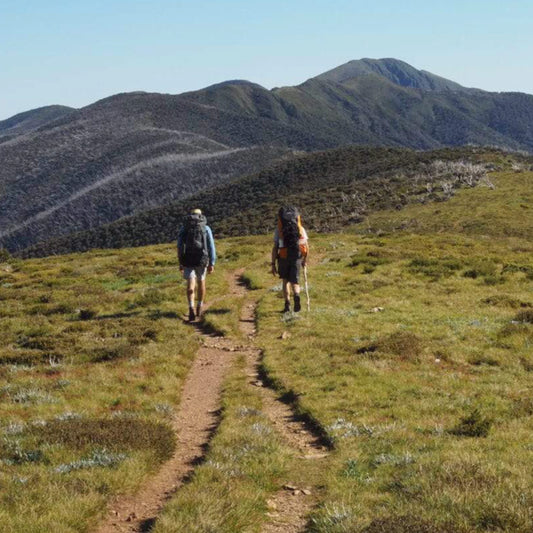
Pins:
<point x="191" y="285"/>
<point x="201" y="296"/>
<point x="295" y="288"/>
<point x="286" y="290"/>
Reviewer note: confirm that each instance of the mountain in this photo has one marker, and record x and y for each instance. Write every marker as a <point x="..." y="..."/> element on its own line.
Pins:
<point x="31" y="120"/>
<point x="132" y="152"/>
<point x="394" y="70"/>
<point x="116" y="157"/>
<point x="333" y="188"/>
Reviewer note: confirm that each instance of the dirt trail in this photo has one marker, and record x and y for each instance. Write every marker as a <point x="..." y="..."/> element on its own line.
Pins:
<point x="291" y="505"/>
<point x="197" y="420"/>
<point x="194" y="424"/>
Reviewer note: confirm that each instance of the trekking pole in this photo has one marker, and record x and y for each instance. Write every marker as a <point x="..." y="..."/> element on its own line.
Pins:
<point x="307" y="289"/>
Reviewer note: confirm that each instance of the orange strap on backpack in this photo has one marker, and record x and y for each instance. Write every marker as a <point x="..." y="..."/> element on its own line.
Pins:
<point x="282" y="252"/>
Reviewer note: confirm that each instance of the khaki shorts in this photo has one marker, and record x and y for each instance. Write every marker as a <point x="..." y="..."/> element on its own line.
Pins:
<point x="195" y="273"/>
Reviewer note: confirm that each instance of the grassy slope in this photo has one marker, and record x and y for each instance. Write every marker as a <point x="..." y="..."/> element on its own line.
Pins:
<point x="92" y="357"/>
<point x="384" y="400"/>
<point x="389" y="387"/>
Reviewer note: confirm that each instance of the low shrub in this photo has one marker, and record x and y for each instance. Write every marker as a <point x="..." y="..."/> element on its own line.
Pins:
<point x="481" y="269"/>
<point x="482" y="359"/>
<point x="434" y="268"/>
<point x="371" y="259"/>
<point x="505" y="300"/>
<point x="86" y="314"/>
<point x="123" y="350"/>
<point x="472" y="425"/>
<point x="404" y="344"/>
<point x="13" y="453"/>
<point x="525" y="316"/>
<point x="112" y="434"/>
<point x="4" y="255"/>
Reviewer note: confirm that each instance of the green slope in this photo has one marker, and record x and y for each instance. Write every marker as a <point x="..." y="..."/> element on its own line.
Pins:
<point x="428" y="403"/>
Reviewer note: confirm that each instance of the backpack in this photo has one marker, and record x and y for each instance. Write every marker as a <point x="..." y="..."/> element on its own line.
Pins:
<point x="195" y="242"/>
<point x="290" y="229"/>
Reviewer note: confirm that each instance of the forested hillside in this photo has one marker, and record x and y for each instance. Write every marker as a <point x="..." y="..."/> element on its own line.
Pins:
<point x="31" y="120"/>
<point x="333" y="189"/>
<point x="131" y="152"/>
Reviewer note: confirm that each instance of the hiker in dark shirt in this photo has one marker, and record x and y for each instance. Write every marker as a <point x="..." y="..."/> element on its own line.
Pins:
<point x="289" y="254"/>
<point x="197" y="257"/>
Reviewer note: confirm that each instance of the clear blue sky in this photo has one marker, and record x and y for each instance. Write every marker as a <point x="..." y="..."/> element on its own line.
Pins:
<point x="76" y="52"/>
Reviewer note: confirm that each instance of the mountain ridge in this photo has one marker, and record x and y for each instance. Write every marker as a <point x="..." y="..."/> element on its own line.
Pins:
<point x="394" y="70"/>
<point x="134" y="151"/>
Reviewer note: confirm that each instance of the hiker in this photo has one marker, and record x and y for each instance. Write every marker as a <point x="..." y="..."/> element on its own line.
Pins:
<point x="197" y="257"/>
<point x="289" y="254"/>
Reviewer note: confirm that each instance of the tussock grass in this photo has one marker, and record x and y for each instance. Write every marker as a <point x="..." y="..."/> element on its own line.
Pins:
<point x="251" y="281"/>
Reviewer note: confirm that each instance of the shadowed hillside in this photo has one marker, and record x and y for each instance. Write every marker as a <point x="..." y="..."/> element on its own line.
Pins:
<point x="333" y="189"/>
<point x="134" y="151"/>
<point x="31" y="120"/>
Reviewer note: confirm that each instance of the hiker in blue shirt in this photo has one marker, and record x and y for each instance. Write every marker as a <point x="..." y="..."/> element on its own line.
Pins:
<point x="197" y="257"/>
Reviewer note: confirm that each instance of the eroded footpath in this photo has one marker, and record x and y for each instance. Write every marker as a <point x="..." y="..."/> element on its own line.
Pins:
<point x="197" y="420"/>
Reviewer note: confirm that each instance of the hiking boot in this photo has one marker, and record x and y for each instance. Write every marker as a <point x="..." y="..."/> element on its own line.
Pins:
<point x="199" y="311"/>
<point x="192" y="316"/>
<point x="287" y="307"/>
<point x="297" y="304"/>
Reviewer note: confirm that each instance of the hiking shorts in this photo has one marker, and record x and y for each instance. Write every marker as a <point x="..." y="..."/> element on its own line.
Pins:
<point x="195" y="273"/>
<point x="290" y="270"/>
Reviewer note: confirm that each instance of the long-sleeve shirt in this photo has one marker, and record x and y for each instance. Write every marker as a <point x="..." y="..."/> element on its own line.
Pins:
<point x="211" y="250"/>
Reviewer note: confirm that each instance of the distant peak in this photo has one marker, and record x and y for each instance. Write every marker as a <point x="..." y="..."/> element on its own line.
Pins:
<point x="394" y="70"/>
<point x="245" y="83"/>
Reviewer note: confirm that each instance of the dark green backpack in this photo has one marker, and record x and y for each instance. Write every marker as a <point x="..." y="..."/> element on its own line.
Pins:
<point x="195" y="242"/>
